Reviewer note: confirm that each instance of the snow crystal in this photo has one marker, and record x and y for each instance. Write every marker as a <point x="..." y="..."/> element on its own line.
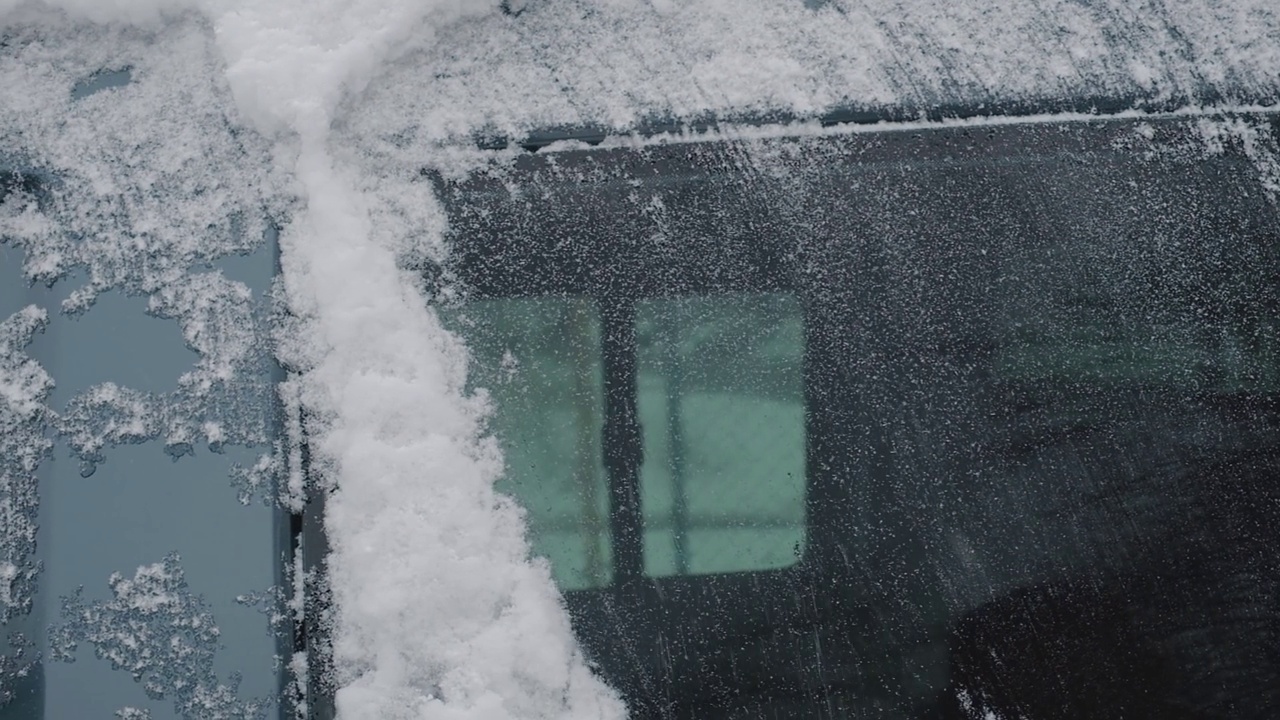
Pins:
<point x="260" y="479"/>
<point x="134" y="180"/>
<point x="23" y="384"/>
<point x="164" y="636"/>
<point x="140" y="190"/>
<point x="24" y="390"/>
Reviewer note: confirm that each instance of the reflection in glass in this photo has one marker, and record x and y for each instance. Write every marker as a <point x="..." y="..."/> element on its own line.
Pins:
<point x="1041" y="422"/>
<point x="540" y="362"/>
<point x="721" y="403"/>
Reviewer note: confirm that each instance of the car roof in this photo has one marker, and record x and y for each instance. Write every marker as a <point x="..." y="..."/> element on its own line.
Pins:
<point x="577" y="69"/>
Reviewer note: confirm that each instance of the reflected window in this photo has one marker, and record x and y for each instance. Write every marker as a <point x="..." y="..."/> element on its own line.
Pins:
<point x="540" y="362"/>
<point x="1025" y="433"/>
<point x="721" y="405"/>
<point x="718" y="393"/>
<point x="1194" y="321"/>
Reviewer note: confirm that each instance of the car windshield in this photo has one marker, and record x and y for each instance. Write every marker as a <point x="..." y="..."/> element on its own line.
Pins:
<point x="959" y="422"/>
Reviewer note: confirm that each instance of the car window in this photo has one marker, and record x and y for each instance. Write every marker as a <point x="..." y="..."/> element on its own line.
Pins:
<point x="1028" y="373"/>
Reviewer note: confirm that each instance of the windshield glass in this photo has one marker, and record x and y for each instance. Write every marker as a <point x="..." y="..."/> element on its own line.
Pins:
<point x="1029" y="374"/>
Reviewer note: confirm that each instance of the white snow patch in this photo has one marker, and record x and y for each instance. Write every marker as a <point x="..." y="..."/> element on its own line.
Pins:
<point x="438" y="610"/>
<point x="102" y="11"/>
<point x="567" y="63"/>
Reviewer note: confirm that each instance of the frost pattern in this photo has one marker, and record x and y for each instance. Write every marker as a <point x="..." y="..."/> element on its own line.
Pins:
<point x="259" y="480"/>
<point x="286" y="608"/>
<point x="140" y="189"/>
<point x="155" y="629"/>
<point x="24" y="389"/>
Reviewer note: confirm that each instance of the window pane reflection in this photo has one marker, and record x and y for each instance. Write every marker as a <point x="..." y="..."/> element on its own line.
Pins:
<point x="721" y="403"/>
<point x="540" y="362"/>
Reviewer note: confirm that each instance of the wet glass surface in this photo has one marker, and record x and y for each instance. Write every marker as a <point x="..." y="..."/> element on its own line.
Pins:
<point x="1041" y="415"/>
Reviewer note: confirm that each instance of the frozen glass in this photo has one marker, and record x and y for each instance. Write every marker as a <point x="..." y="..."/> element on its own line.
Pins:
<point x="539" y="360"/>
<point x="721" y="404"/>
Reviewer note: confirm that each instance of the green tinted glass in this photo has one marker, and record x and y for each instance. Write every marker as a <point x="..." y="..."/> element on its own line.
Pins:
<point x="540" y="362"/>
<point x="721" y="404"/>
<point x="720" y="398"/>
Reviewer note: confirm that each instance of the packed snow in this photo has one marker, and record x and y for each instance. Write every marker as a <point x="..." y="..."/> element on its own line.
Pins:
<point x="317" y="117"/>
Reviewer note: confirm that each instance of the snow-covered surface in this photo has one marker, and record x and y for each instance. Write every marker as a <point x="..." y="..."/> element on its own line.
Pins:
<point x="24" y="387"/>
<point x="318" y="115"/>
<point x="439" y="611"/>
<point x="150" y="183"/>
<point x="156" y="630"/>
<point x="613" y="64"/>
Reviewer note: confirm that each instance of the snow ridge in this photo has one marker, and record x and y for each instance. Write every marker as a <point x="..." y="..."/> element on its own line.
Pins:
<point x="438" y="611"/>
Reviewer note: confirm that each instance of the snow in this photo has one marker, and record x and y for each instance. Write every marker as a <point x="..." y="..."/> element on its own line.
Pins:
<point x="416" y="533"/>
<point x="317" y="116"/>
<point x="438" y="610"/>
<point x="126" y="11"/>
<point x="24" y="387"/>
<point x="591" y="63"/>
<point x="1260" y="146"/>
<point x="428" y="568"/>
<point x="155" y="629"/>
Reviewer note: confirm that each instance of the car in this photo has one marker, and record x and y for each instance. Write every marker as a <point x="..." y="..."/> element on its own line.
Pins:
<point x="895" y="419"/>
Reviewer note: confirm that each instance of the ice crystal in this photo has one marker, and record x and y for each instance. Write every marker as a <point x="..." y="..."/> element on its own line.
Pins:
<point x="163" y="635"/>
